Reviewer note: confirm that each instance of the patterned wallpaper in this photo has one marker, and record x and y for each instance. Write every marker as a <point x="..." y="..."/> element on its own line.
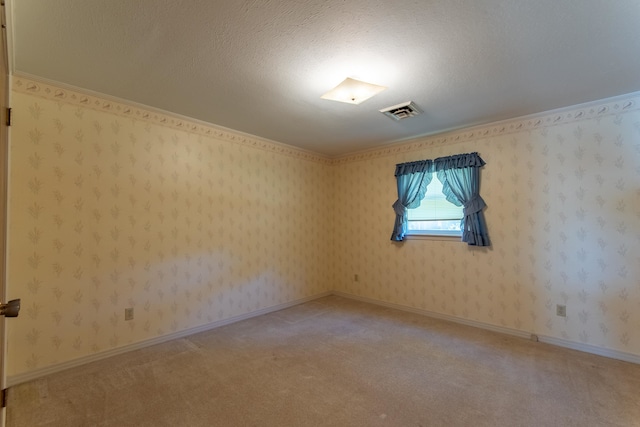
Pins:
<point x="110" y="210"/>
<point x="114" y="206"/>
<point x="563" y="197"/>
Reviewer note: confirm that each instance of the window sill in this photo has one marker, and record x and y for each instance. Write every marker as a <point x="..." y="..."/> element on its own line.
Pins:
<point x="441" y="237"/>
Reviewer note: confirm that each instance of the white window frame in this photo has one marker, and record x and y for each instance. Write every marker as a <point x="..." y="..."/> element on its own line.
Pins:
<point x="434" y="234"/>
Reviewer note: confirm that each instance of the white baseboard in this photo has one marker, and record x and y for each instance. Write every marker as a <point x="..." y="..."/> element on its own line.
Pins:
<point x="38" y="373"/>
<point x="586" y="348"/>
<point x="436" y="315"/>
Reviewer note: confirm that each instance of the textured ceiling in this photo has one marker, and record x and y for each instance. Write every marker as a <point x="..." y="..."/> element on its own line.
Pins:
<point x="260" y="67"/>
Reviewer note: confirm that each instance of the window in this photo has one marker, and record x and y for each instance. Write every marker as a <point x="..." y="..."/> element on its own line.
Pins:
<point x="435" y="215"/>
<point x="458" y="177"/>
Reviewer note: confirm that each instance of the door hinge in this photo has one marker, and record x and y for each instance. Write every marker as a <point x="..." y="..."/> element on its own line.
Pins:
<point x="3" y="397"/>
<point x="8" y="116"/>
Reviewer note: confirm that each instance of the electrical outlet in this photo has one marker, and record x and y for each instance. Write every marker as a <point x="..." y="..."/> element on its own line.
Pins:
<point x="128" y="313"/>
<point x="356" y="278"/>
<point x="561" y="310"/>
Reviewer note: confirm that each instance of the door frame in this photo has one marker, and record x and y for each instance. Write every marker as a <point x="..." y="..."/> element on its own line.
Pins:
<point x="4" y="177"/>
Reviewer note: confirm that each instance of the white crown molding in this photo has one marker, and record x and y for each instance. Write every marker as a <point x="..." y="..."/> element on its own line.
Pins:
<point x="588" y="111"/>
<point x="58" y="92"/>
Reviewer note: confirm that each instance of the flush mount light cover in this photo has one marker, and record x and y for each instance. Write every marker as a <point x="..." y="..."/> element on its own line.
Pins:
<point x="353" y="91"/>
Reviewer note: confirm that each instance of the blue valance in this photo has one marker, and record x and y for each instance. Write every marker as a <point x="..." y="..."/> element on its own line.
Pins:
<point x="414" y="167"/>
<point x="470" y="160"/>
<point x="458" y="161"/>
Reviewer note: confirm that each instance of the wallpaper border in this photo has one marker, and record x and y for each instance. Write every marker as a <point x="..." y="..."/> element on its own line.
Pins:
<point x="123" y="108"/>
<point x="585" y="348"/>
<point x="621" y="104"/>
<point x="13" y="380"/>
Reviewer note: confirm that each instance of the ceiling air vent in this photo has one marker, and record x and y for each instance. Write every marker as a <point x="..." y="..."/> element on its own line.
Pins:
<point x="402" y="111"/>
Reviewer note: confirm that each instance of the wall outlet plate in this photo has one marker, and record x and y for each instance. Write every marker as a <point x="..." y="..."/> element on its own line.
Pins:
<point x="561" y="310"/>
<point x="128" y="313"/>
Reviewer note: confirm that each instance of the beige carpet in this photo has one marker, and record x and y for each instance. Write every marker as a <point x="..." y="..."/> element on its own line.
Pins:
<point x="338" y="362"/>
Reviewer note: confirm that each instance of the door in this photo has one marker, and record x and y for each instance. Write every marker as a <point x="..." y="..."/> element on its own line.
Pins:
<point x="4" y="153"/>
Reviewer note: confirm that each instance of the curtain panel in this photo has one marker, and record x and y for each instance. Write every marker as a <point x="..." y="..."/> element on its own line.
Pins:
<point x="412" y="180"/>
<point x="460" y="178"/>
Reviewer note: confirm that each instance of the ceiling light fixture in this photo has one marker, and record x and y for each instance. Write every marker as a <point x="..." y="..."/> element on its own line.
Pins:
<point x="353" y="91"/>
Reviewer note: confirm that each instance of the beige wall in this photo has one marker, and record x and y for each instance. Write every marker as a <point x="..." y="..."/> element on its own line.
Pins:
<point x="111" y="209"/>
<point x="115" y="206"/>
<point x="563" y="196"/>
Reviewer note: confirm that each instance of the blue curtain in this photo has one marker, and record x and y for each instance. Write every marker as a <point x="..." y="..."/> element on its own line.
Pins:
<point x="412" y="179"/>
<point x="460" y="178"/>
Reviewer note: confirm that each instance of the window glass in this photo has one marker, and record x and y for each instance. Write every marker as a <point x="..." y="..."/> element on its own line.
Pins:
<point x="435" y="215"/>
